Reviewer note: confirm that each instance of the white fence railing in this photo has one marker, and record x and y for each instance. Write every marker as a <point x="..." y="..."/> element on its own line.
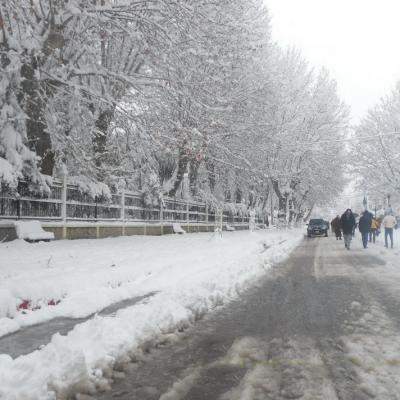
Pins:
<point x="66" y="202"/>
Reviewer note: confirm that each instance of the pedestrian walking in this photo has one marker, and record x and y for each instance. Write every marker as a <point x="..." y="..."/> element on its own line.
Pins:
<point x="373" y="232"/>
<point x="389" y="223"/>
<point x="364" y="226"/>
<point x="348" y="223"/>
<point x="337" y="227"/>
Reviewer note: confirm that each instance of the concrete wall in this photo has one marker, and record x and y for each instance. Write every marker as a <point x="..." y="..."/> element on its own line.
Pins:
<point x="102" y="230"/>
<point x="7" y="233"/>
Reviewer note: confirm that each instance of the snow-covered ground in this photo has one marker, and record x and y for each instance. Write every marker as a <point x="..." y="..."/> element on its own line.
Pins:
<point x="389" y="273"/>
<point x="374" y="346"/>
<point x="386" y="272"/>
<point x="191" y="274"/>
<point x="373" y="343"/>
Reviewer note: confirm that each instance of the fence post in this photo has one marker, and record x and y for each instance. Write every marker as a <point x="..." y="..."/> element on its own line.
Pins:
<point x="122" y="210"/>
<point x="18" y="198"/>
<point x="18" y="206"/>
<point x="272" y="210"/>
<point x="206" y="213"/>
<point x="221" y="220"/>
<point x="162" y="216"/>
<point x="187" y="213"/>
<point x="95" y="207"/>
<point x="64" y="205"/>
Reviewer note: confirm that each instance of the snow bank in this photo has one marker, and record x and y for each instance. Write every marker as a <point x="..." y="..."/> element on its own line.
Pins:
<point x="191" y="274"/>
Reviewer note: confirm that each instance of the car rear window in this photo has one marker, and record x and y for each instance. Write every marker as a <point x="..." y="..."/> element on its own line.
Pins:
<point x="316" y="221"/>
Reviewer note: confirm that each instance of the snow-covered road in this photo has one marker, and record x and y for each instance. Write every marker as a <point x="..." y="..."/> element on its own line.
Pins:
<point x="181" y="278"/>
<point x="323" y="325"/>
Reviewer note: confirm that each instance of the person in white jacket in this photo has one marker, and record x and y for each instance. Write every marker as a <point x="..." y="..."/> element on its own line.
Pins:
<point x="389" y="222"/>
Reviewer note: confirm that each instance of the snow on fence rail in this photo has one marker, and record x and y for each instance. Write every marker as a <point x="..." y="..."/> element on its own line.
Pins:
<point x="66" y="202"/>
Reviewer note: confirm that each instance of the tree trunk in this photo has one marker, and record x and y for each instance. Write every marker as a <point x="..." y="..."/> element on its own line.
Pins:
<point x="282" y="200"/>
<point x="299" y="206"/>
<point x="31" y="100"/>
<point x="183" y="161"/>
<point x="265" y="200"/>
<point x="308" y="213"/>
<point x="100" y="138"/>
<point x="193" y="176"/>
<point x="238" y="195"/>
<point x="211" y="175"/>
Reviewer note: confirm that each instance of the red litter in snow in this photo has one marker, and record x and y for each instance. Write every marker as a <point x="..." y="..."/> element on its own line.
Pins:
<point x="27" y="305"/>
<point x="24" y="305"/>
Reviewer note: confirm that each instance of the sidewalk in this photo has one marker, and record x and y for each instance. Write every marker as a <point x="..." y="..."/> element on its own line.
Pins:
<point x="191" y="274"/>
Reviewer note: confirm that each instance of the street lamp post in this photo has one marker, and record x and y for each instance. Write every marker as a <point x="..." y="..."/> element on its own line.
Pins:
<point x="365" y="202"/>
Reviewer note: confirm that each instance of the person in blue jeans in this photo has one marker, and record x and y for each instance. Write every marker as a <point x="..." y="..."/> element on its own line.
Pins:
<point x="364" y="226"/>
<point x="389" y="223"/>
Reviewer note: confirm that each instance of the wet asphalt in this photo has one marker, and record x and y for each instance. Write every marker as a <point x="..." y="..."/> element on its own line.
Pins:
<point x="282" y="339"/>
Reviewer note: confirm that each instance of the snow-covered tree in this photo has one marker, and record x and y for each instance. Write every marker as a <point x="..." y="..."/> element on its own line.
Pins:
<point x="376" y="148"/>
<point x="175" y="98"/>
<point x="16" y="159"/>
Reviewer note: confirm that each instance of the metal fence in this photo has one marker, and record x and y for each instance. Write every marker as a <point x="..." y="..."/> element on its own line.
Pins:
<point x="66" y="202"/>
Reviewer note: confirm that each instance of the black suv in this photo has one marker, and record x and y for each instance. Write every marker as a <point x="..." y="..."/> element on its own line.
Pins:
<point x="317" y="227"/>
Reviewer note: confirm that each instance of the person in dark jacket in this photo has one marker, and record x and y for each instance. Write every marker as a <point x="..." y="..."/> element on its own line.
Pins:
<point x="337" y="227"/>
<point x="348" y="222"/>
<point x="364" y="226"/>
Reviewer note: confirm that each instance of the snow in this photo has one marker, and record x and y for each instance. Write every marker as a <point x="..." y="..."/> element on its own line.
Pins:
<point x="386" y="273"/>
<point x="31" y="230"/>
<point x="91" y="187"/>
<point x="177" y="228"/>
<point x="373" y="347"/>
<point x="190" y="274"/>
<point x="296" y="371"/>
<point x="7" y="172"/>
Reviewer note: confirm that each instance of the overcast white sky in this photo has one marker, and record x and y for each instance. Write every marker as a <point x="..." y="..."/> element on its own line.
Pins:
<point x="357" y="40"/>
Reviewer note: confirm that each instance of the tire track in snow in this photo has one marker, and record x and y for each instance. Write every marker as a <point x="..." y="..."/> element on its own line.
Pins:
<point x="290" y="368"/>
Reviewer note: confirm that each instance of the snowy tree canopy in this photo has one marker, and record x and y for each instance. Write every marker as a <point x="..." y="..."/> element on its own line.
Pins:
<point x="377" y="148"/>
<point x="187" y="99"/>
